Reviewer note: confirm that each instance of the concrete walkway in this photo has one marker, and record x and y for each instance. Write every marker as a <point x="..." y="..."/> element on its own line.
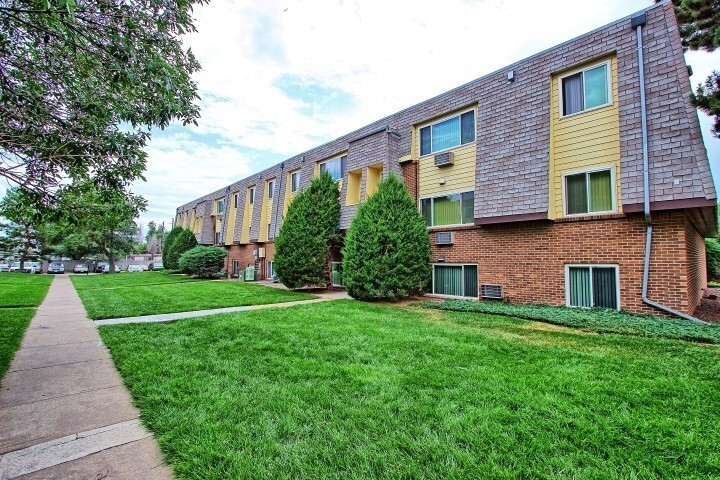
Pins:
<point x="64" y="411"/>
<point x="169" y="317"/>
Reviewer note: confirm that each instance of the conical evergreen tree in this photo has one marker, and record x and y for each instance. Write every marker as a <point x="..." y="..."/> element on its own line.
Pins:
<point x="387" y="249"/>
<point x="308" y="233"/>
<point x="168" y="244"/>
<point x="184" y="241"/>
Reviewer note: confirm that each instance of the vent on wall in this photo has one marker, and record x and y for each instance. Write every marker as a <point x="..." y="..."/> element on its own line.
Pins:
<point x="491" y="291"/>
<point x="444" y="238"/>
<point x="445" y="158"/>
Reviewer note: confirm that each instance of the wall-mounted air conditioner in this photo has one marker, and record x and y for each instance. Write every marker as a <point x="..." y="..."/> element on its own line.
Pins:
<point x="444" y="158"/>
<point x="444" y="238"/>
<point x="491" y="291"/>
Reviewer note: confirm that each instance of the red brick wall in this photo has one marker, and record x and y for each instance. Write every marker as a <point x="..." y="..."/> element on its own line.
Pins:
<point x="410" y="172"/>
<point x="528" y="259"/>
<point x="696" y="264"/>
<point x="246" y="256"/>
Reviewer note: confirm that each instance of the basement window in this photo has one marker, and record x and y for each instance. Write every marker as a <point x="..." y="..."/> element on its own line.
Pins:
<point x="591" y="286"/>
<point x="455" y="280"/>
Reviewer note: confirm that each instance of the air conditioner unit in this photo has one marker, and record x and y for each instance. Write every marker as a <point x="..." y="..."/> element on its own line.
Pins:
<point x="444" y="238"/>
<point x="261" y="253"/>
<point x="444" y="158"/>
<point x="491" y="291"/>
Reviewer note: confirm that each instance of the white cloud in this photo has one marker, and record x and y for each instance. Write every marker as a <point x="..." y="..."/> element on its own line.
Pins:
<point x="384" y="55"/>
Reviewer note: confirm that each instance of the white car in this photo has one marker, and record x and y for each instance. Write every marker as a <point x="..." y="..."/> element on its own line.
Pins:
<point x="56" y="267"/>
<point x="106" y="268"/>
<point x="80" y="268"/>
<point x="4" y="267"/>
<point x="14" y="267"/>
<point x="134" y="268"/>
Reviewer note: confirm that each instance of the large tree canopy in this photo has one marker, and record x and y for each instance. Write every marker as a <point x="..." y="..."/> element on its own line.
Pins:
<point x="699" y="23"/>
<point x="82" y="82"/>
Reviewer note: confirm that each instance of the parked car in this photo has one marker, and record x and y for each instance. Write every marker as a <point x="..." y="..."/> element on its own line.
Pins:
<point x="106" y="268"/>
<point x="99" y="267"/>
<point x="14" y="267"/>
<point x="156" y="266"/>
<point x="134" y="268"/>
<point x="56" y="267"/>
<point x="144" y="267"/>
<point x="80" y="268"/>
<point x="4" y="267"/>
<point x="28" y="267"/>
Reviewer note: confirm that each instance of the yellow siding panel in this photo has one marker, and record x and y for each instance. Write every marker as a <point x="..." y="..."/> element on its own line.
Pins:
<point x="583" y="141"/>
<point x="232" y="214"/>
<point x="246" y="219"/>
<point x="457" y="177"/>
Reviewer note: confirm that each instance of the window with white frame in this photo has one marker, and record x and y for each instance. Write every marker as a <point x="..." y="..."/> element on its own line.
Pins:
<point x="455" y="280"/>
<point x="335" y="167"/>
<point x="218" y="238"/>
<point x="270" y="269"/>
<point x="592" y="286"/>
<point x="589" y="192"/>
<point x="585" y="90"/>
<point x="251" y="195"/>
<point x="295" y="181"/>
<point x="220" y="206"/>
<point x="271" y="188"/>
<point x="450" y="209"/>
<point x="448" y="133"/>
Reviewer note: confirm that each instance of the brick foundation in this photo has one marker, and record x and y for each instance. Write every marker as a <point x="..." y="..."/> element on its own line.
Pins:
<point x="245" y="256"/>
<point x="528" y="259"/>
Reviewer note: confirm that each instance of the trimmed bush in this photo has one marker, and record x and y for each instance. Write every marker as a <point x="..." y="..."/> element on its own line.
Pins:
<point x="203" y="262"/>
<point x="307" y="235"/>
<point x="712" y="257"/>
<point x="184" y="241"/>
<point x="599" y="320"/>
<point x="387" y="249"/>
<point x="168" y="244"/>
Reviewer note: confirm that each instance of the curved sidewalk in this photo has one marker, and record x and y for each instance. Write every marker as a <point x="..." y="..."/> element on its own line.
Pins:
<point x="64" y="411"/>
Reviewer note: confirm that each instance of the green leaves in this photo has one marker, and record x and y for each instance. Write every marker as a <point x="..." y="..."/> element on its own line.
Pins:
<point x="203" y="262"/>
<point x="74" y="71"/>
<point x="309" y="231"/>
<point x="387" y="249"/>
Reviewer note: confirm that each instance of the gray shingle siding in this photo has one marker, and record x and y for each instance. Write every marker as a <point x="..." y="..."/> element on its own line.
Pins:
<point x="513" y="129"/>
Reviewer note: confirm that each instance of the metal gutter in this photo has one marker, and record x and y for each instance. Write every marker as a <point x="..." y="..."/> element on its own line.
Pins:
<point x="637" y="23"/>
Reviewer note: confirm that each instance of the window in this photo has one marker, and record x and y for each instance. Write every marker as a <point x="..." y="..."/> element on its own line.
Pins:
<point x="220" y="206"/>
<point x="235" y="267"/>
<point x="295" y="181"/>
<point x="270" y="270"/>
<point x="336" y="274"/>
<point x="592" y="286"/>
<point x="448" y="133"/>
<point x="336" y="167"/>
<point x="269" y="230"/>
<point x="455" y="280"/>
<point x="236" y="199"/>
<point x="585" y="90"/>
<point x="589" y="192"/>
<point x="218" y="238"/>
<point x="271" y="188"/>
<point x="452" y="209"/>
<point x="251" y="195"/>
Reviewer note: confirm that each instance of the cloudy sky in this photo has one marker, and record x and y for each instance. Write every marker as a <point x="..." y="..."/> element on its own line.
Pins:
<point x="280" y="77"/>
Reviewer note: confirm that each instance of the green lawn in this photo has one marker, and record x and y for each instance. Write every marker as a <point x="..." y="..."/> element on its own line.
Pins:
<point x="351" y="390"/>
<point x="23" y="290"/>
<point x="17" y="292"/>
<point x="136" y="294"/>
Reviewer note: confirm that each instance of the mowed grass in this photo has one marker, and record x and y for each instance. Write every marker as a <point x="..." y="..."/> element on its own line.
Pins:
<point x="22" y="289"/>
<point x="13" y="323"/>
<point x="350" y="390"/>
<point x="17" y="292"/>
<point x="137" y="294"/>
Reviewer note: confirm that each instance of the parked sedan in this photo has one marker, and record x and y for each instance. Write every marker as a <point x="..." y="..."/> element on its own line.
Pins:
<point x="134" y="268"/>
<point x="156" y="266"/>
<point x="80" y="268"/>
<point x="4" y="267"/>
<point x="100" y="266"/>
<point x="56" y="267"/>
<point x="106" y="268"/>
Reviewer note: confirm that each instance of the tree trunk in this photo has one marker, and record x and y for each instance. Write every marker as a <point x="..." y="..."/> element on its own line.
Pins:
<point x="111" y="260"/>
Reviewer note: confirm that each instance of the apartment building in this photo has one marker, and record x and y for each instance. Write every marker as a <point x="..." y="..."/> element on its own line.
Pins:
<point x="577" y="176"/>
